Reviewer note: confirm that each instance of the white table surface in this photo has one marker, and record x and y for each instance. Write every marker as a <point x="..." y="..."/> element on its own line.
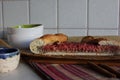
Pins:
<point x="23" y="72"/>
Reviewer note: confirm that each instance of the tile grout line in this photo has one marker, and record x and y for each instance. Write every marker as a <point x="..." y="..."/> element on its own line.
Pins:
<point x="89" y="28"/>
<point x="2" y="15"/>
<point x="119" y="19"/>
<point x="29" y="18"/>
<point x="57" y="15"/>
<point x="87" y="17"/>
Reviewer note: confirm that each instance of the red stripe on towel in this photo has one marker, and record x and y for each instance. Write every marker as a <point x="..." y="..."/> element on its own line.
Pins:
<point x="70" y="72"/>
<point x="53" y="72"/>
<point x="78" y="72"/>
<point x="59" y="75"/>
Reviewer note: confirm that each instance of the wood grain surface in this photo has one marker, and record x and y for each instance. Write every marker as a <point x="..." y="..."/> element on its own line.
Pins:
<point x="73" y="59"/>
<point x="68" y="59"/>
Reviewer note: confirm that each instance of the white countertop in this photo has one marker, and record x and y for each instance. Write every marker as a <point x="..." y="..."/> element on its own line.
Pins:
<point x="23" y="72"/>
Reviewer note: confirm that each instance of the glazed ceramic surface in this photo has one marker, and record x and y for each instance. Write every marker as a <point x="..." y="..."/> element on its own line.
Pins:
<point x="8" y="52"/>
<point x="21" y="36"/>
<point x="9" y="59"/>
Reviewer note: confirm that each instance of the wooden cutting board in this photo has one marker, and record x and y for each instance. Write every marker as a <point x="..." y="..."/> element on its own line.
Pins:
<point x="73" y="59"/>
<point x="28" y="56"/>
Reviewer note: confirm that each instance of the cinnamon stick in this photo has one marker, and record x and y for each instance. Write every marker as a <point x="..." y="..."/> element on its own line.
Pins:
<point x="101" y="70"/>
<point x="110" y="69"/>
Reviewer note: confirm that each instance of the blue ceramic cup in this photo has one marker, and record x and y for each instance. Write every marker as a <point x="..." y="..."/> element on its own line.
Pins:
<point x="9" y="59"/>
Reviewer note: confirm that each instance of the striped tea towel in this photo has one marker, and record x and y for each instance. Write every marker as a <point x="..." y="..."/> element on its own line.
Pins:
<point x="68" y="72"/>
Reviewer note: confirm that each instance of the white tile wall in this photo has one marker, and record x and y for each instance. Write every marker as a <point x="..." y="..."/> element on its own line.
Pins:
<point x="103" y="13"/>
<point x="72" y="17"/>
<point x="44" y="12"/>
<point x="72" y="14"/>
<point x="74" y="32"/>
<point x="100" y="32"/>
<point x="48" y="31"/>
<point x="15" y="12"/>
<point x="1" y="26"/>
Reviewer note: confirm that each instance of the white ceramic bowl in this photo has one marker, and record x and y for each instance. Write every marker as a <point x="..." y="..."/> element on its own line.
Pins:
<point x="21" y="36"/>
